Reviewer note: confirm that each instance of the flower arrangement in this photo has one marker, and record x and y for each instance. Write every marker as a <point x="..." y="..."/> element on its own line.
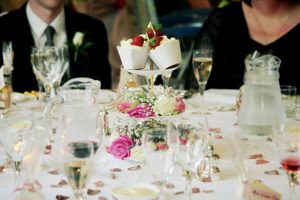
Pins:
<point x="126" y="138"/>
<point x="141" y="102"/>
<point x="79" y="45"/>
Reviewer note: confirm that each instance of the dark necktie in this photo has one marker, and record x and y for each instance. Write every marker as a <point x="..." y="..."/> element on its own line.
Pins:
<point x="49" y="31"/>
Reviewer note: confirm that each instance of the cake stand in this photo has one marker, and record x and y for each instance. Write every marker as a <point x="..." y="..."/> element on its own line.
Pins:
<point x="150" y="73"/>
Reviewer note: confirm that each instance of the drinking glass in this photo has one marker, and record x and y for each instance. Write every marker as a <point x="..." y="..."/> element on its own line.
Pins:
<point x="202" y="66"/>
<point x="17" y="134"/>
<point x="287" y="140"/>
<point x="155" y="148"/>
<point x="289" y="99"/>
<point x="188" y="137"/>
<point x="49" y="65"/>
<point x="77" y="162"/>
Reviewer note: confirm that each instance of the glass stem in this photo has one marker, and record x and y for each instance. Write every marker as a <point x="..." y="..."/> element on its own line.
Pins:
<point x="293" y="181"/>
<point x="79" y="195"/>
<point x="17" y="172"/>
<point x="188" y="186"/>
<point x="201" y="91"/>
<point x="166" y="79"/>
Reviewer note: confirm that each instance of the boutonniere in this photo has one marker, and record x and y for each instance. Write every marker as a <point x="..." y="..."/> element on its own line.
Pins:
<point x="80" y="45"/>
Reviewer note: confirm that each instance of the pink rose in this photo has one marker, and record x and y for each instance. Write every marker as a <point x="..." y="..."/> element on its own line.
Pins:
<point x="123" y="106"/>
<point x="120" y="148"/>
<point x="141" y="111"/>
<point x="180" y="105"/>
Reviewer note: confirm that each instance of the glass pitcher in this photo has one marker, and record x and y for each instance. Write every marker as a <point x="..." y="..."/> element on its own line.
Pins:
<point x="76" y="97"/>
<point x="261" y="101"/>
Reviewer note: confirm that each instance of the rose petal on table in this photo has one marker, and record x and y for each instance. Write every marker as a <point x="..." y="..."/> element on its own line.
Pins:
<point x="218" y="137"/>
<point x="261" y="161"/>
<point x="179" y="193"/>
<point x="60" y="184"/>
<point x="113" y="176"/>
<point x="206" y="179"/>
<point x="170" y="185"/>
<point x="195" y="190"/>
<point x="99" y="184"/>
<point x="215" y="130"/>
<point x="2" y="169"/>
<point x="272" y="172"/>
<point x="255" y="156"/>
<point x="54" y="172"/>
<point x="269" y="139"/>
<point x="133" y="168"/>
<point x="48" y="149"/>
<point x="61" y="197"/>
<point x="116" y="170"/>
<point x="102" y="198"/>
<point x="292" y="149"/>
<point x="114" y="198"/>
<point x="208" y="191"/>
<point x="93" y="192"/>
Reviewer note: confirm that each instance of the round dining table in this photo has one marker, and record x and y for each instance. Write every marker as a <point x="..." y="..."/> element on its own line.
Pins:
<point x="110" y="172"/>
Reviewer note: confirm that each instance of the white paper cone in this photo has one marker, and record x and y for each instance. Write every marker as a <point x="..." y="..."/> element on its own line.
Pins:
<point x="133" y="58"/>
<point x="167" y="54"/>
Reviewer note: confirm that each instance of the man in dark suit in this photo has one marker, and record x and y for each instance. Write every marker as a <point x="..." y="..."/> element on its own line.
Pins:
<point x="25" y="28"/>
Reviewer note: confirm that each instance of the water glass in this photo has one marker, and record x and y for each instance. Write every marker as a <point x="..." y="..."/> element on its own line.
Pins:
<point x="289" y="99"/>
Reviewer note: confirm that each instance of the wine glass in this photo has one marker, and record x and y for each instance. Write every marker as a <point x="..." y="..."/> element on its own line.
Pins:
<point x="31" y="164"/>
<point x="287" y="140"/>
<point x="49" y="65"/>
<point x="155" y="148"/>
<point x="17" y="134"/>
<point x="77" y="162"/>
<point x="189" y="138"/>
<point x="202" y="66"/>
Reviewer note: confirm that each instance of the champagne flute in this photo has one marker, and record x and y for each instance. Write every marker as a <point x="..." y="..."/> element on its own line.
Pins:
<point x="49" y="65"/>
<point x="78" y="165"/>
<point x="287" y="141"/>
<point x="202" y="66"/>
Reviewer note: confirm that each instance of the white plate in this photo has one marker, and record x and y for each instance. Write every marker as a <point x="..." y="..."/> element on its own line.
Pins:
<point x="135" y="192"/>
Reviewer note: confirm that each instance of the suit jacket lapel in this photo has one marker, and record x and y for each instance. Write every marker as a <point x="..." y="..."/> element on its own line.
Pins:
<point x="70" y="31"/>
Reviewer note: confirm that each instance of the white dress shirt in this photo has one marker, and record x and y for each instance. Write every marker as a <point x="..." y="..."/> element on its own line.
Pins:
<point x="38" y="27"/>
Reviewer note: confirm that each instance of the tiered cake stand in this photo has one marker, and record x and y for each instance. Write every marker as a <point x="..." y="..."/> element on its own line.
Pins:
<point x="150" y="73"/>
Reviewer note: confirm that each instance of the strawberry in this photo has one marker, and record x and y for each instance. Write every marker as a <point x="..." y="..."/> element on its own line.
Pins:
<point x="158" y="32"/>
<point x="150" y="33"/>
<point x="155" y="41"/>
<point x="138" y="41"/>
<point x="154" y="30"/>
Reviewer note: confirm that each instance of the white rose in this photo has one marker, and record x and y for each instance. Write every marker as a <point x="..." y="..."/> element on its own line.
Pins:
<point x="78" y="39"/>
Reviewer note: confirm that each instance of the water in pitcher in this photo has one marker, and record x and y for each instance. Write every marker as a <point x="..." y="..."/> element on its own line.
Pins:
<point x="261" y="102"/>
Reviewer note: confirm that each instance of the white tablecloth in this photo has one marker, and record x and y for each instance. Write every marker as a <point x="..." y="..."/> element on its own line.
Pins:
<point x="227" y="188"/>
